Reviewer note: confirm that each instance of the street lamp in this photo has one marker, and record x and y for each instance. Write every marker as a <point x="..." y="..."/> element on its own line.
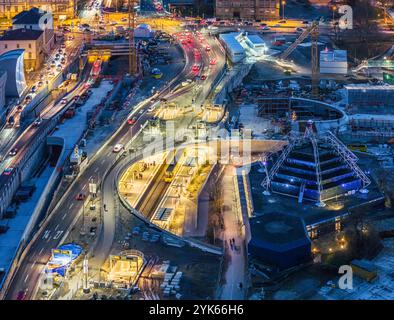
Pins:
<point x="333" y="13"/>
<point x="283" y="8"/>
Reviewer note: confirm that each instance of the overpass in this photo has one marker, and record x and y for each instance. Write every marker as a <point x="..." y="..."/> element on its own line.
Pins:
<point x="104" y="51"/>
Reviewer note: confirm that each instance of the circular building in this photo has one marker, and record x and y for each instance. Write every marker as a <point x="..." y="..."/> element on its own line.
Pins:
<point x="325" y="116"/>
<point x="279" y="239"/>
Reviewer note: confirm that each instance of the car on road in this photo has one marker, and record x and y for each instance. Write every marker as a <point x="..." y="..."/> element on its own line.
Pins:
<point x="265" y="28"/>
<point x="203" y="77"/>
<point x="21" y="295"/>
<point x="196" y="68"/>
<point x="208" y="48"/>
<point x="8" y="171"/>
<point x="11" y="120"/>
<point x="117" y="148"/>
<point x="282" y="21"/>
<point x="212" y="27"/>
<point x="33" y="89"/>
<point x="131" y="121"/>
<point x="63" y="101"/>
<point x="13" y="152"/>
<point x="212" y="61"/>
<point x="187" y="82"/>
<point x="298" y="29"/>
<point x="37" y="122"/>
<point x="19" y="108"/>
<point x="80" y="197"/>
<point x="28" y="98"/>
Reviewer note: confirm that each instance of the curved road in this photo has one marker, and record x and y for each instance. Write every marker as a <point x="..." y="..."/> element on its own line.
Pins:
<point x="63" y="215"/>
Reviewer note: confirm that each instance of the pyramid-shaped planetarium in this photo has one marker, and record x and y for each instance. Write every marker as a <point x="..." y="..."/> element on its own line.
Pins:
<point x="315" y="168"/>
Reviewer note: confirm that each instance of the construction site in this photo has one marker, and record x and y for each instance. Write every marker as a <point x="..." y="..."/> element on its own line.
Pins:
<point x="325" y="198"/>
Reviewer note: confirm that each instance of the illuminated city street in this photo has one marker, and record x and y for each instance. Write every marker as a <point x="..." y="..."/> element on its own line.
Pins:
<point x="196" y="150"/>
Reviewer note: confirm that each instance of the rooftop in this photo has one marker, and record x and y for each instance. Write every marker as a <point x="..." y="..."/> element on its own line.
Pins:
<point x="31" y="16"/>
<point x="333" y="55"/>
<point x="21" y="34"/>
<point x="362" y="86"/>
<point x="278" y="230"/>
<point x="232" y="42"/>
<point x="255" y="39"/>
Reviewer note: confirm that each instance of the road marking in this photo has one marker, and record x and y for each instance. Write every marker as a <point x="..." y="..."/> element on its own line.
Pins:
<point x="95" y="170"/>
<point x="84" y="186"/>
<point x="46" y="234"/>
<point x="32" y="266"/>
<point x="57" y="235"/>
<point x="64" y="216"/>
<point x="42" y="249"/>
<point x="71" y="205"/>
<point x="57" y="227"/>
<point x="26" y="278"/>
<point x="102" y="162"/>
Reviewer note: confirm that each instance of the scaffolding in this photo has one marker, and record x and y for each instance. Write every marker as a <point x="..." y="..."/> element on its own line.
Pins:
<point x="348" y="157"/>
<point x="312" y="138"/>
<point x="278" y="176"/>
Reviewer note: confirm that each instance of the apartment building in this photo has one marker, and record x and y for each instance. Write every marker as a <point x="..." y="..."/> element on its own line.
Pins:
<point x="247" y="9"/>
<point x="32" y="41"/>
<point x="61" y="9"/>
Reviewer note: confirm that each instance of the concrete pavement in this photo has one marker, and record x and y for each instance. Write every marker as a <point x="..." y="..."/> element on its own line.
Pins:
<point x="235" y="256"/>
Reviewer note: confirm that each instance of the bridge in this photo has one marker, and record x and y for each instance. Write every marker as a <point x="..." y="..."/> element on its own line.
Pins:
<point x="104" y="51"/>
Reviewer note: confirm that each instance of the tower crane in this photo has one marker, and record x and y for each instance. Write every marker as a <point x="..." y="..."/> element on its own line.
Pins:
<point x="313" y="31"/>
<point x="133" y="65"/>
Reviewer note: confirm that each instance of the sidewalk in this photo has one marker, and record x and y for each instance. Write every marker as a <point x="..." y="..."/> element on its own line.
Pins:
<point x="235" y="258"/>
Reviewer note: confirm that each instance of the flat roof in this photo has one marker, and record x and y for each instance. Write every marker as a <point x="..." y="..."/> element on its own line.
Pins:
<point x="255" y="39"/>
<point x="362" y="86"/>
<point x="364" y="264"/>
<point x="231" y="42"/>
<point x="333" y="55"/>
<point x="278" y="227"/>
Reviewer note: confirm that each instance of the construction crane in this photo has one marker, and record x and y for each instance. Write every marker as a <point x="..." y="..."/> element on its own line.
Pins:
<point x="133" y="67"/>
<point x="313" y="31"/>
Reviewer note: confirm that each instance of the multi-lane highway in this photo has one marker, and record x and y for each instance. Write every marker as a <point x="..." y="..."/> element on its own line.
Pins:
<point x="63" y="215"/>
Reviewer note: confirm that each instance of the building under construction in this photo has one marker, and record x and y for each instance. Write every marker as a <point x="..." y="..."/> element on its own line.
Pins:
<point x="297" y="109"/>
<point x="315" y="168"/>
